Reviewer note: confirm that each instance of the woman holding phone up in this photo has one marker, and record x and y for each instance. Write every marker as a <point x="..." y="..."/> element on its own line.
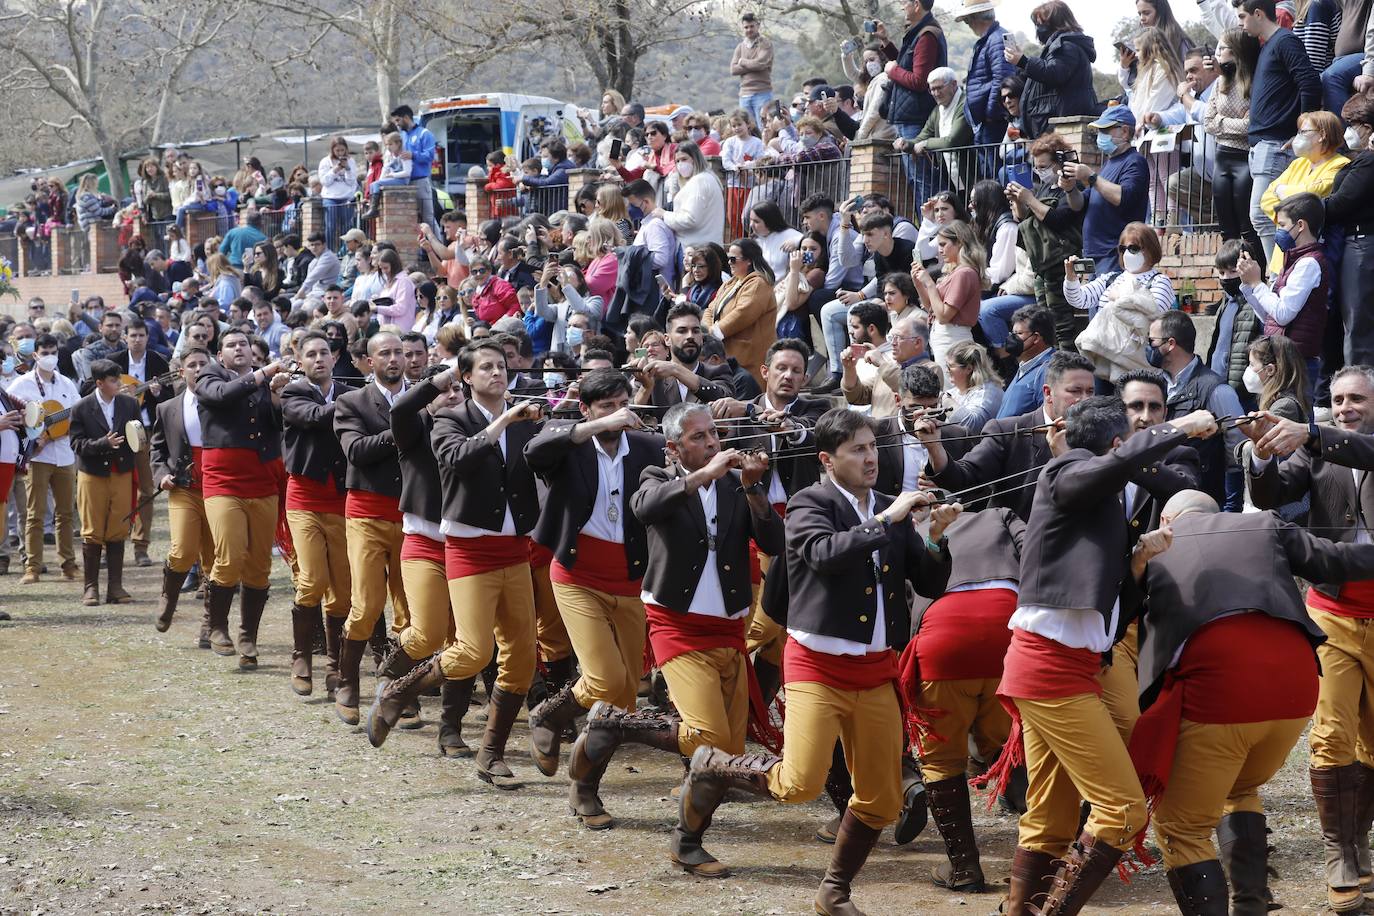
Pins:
<point x="338" y="175"/>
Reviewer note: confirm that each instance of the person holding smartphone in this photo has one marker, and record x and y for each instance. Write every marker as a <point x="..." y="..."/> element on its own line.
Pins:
<point x="338" y="175"/>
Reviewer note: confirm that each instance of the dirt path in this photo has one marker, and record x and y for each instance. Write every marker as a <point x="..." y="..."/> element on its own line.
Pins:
<point x="140" y="774"/>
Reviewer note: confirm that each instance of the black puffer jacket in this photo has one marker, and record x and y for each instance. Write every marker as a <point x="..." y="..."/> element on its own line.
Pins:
<point x="1059" y="82"/>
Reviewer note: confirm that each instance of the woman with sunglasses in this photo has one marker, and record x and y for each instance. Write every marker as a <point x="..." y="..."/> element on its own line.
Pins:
<point x="1317" y="148"/>
<point x="742" y="314"/>
<point x="1139" y="251"/>
<point x="493" y="297"/>
<point x="943" y="208"/>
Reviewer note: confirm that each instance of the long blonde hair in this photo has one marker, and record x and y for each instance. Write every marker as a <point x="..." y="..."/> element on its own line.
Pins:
<point x="218" y="265"/>
<point x="970" y="355"/>
<point x="971" y="251"/>
<point x="1153" y="46"/>
<point x="610" y="203"/>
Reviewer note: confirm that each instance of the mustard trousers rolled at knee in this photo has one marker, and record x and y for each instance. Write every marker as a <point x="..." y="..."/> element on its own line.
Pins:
<point x="493" y="608"/>
<point x="710" y="689"/>
<point x="104" y="504"/>
<point x="374" y="553"/>
<point x="323" y="577"/>
<point x="968" y="706"/>
<point x="431" y="615"/>
<point x="607" y="633"/>
<point x="1343" y="723"/>
<point x="243" y="531"/>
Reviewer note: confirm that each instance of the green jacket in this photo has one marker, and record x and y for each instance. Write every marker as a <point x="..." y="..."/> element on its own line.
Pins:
<point x="960" y="133"/>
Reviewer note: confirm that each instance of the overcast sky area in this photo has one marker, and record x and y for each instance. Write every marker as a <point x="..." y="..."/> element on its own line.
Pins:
<point x="1096" y="16"/>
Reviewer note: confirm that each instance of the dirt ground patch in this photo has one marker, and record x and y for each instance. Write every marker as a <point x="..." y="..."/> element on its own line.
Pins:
<point x="139" y="774"/>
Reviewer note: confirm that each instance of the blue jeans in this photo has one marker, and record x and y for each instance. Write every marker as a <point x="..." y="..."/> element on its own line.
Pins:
<point x="1338" y="81"/>
<point x="192" y="207"/>
<point x="754" y="104"/>
<point x="1267" y="161"/>
<point x="909" y="131"/>
<point x="386" y="183"/>
<point x="337" y="213"/>
<point x="835" y="326"/>
<point x="994" y="315"/>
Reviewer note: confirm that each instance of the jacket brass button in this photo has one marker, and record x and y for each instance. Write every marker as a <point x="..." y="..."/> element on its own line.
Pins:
<point x="863" y="618"/>
<point x="869" y="590"/>
<point x="1135" y="523"/>
<point x="572" y="550"/>
<point x="727" y="567"/>
<point x="886" y="567"/>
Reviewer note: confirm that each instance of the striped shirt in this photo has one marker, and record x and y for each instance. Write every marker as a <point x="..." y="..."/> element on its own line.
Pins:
<point x="1099" y="292"/>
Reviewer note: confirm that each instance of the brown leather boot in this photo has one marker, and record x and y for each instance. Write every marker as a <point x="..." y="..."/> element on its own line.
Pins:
<point x="1335" y="790"/>
<point x="584" y="796"/>
<point x="1082" y="872"/>
<point x="547" y="722"/>
<point x="1364" y="820"/>
<point x="1200" y="888"/>
<point x="395" y="694"/>
<point x="114" y="570"/>
<point x="1030" y="881"/>
<point x="203" y="640"/>
<point x="397" y="663"/>
<point x="167" y="600"/>
<point x="346" y="697"/>
<point x="491" y="757"/>
<point x="90" y="563"/>
<point x="219" y="598"/>
<point x="333" y="640"/>
<point x="854" y="841"/>
<point x="915" y="805"/>
<point x="711" y="774"/>
<point x="251" y="605"/>
<point x="303" y="622"/>
<point x="949" y="806"/>
<point x="456" y="695"/>
<point x="608" y="727"/>
<point x="1244" y="846"/>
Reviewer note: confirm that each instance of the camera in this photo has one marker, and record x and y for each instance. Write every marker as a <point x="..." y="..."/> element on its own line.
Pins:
<point x="1063" y="156"/>
<point x="870" y="26"/>
<point x="1084" y="267"/>
<point x="849" y="46"/>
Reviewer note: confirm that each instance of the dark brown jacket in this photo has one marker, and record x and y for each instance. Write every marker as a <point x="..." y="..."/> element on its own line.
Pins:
<point x="411" y="423"/>
<point x="1185" y="587"/>
<point x="676" y="528"/>
<point x="362" y="419"/>
<point x="311" y="448"/>
<point x="831" y="579"/>
<point x="169" y="449"/>
<point x="1324" y="470"/>
<point x="237" y="412"/>
<point x="571" y="472"/>
<point x="803" y="468"/>
<point x="94" y="455"/>
<point x="1075" y="554"/>
<point x="999" y="456"/>
<point x="892" y="457"/>
<point x="985" y="545"/>
<point x="715" y="384"/>
<point x="478" y="483"/>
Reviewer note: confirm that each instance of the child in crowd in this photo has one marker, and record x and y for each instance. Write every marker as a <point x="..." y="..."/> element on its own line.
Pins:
<point x="1236" y="323"/>
<point x="500" y="185"/>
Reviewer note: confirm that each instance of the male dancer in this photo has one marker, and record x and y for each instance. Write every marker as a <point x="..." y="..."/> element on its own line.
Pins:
<point x="316" y="471"/>
<point x="104" y="480"/>
<point x="423" y="571"/>
<point x="177" y="447"/>
<point x="362" y="419"/>
<point x="593" y="467"/>
<point x="696" y="594"/>
<point x="149" y="369"/>
<point x="489" y="507"/>
<point x="240" y="421"/>
<point x="849" y="553"/>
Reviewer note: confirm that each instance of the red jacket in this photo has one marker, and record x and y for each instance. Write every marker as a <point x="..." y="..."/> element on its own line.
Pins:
<point x="495" y="300"/>
<point x="498" y="179"/>
<point x="374" y="172"/>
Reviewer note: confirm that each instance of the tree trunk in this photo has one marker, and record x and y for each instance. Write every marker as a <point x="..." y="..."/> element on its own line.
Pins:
<point x="388" y="79"/>
<point x="621" y="53"/>
<point x="109" y="154"/>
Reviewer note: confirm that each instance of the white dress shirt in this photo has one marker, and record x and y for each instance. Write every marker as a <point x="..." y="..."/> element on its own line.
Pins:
<point x="190" y="418"/>
<point x="834" y="645"/>
<point x="30" y="387"/>
<point x="607" y="522"/>
<point x="708" y="600"/>
<point x="106" y="408"/>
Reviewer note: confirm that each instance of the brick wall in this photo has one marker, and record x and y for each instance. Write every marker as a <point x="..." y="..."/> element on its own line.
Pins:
<point x="57" y="292"/>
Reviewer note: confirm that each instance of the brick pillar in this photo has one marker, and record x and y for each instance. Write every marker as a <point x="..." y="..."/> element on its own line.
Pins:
<point x="1188" y="261"/>
<point x="62" y="259"/>
<point x="871" y="168"/>
<point x="396" y="222"/>
<point x="21" y="263"/>
<point x="312" y="217"/>
<point x="577" y="180"/>
<point x="1080" y="136"/>
<point x="199" y="227"/>
<point x="476" y="203"/>
<point x="104" y="246"/>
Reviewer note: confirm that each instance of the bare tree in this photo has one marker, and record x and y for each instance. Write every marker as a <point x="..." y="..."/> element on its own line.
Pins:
<point x="78" y="53"/>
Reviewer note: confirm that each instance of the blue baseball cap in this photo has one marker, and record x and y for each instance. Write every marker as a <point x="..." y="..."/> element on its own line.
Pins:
<point x="1114" y="115"/>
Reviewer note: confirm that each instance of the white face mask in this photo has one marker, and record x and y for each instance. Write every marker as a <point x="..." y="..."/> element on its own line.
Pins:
<point x="47" y="363"/>
<point x="1302" y="145"/>
<point x="873" y="67"/>
<point x="1133" y="262"/>
<point x="1352" y="138"/>
<point x="1252" y="381"/>
<point x="685" y="169"/>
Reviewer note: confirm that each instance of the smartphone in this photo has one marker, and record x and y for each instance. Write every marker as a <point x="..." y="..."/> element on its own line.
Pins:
<point x="856" y="201"/>
<point x="870" y="26"/>
<point x="641" y="352"/>
<point x="857" y="351"/>
<point x="663" y="284"/>
<point x="617" y="149"/>
<point x="383" y="300"/>
<point x="1084" y="267"/>
<point x="76" y="296"/>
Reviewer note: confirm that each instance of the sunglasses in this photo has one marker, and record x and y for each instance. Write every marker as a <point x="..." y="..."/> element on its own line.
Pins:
<point x="1133" y="249"/>
<point x="480" y="271"/>
<point x="732" y="259"/>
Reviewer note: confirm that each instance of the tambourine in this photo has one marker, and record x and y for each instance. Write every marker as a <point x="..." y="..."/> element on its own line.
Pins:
<point x="133" y="435"/>
<point x="33" y="414"/>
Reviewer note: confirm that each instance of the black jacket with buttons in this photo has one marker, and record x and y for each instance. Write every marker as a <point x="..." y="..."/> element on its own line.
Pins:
<point x="410" y="428"/>
<point x="1181" y="469"/>
<point x="478" y="483"/>
<point x="675" y="523"/>
<point x="169" y="449"/>
<point x="312" y="449"/>
<point x="94" y="455"/>
<point x="573" y="477"/>
<point x="362" y="420"/>
<point x="1323" y="469"/>
<point x="237" y="412"/>
<point x="803" y="468"/>
<point x="830" y="573"/>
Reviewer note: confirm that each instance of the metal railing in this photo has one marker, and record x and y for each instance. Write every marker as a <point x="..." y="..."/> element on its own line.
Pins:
<point x="546" y="200"/>
<point x="787" y="185"/>
<point x="39" y="251"/>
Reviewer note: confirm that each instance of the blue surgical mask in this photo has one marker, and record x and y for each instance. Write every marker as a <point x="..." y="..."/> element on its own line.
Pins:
<point x="25" y="348"/>
<point x="7" y="367"/>
<point x="1153" y="356"/>
<point x="1284" y="241"/>
<point x="574" y="337"/>
<point x="1106" y="143"/>
<point x="546" y="163"/>
<point x="556" y="380"/>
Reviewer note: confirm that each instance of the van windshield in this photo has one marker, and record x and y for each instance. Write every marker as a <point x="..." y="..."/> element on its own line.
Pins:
<point x="470" y="136"/>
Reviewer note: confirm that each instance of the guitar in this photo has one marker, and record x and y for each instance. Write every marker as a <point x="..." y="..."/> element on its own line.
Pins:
<point x="49" y="417"/>
<point x="136" y="389"/>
